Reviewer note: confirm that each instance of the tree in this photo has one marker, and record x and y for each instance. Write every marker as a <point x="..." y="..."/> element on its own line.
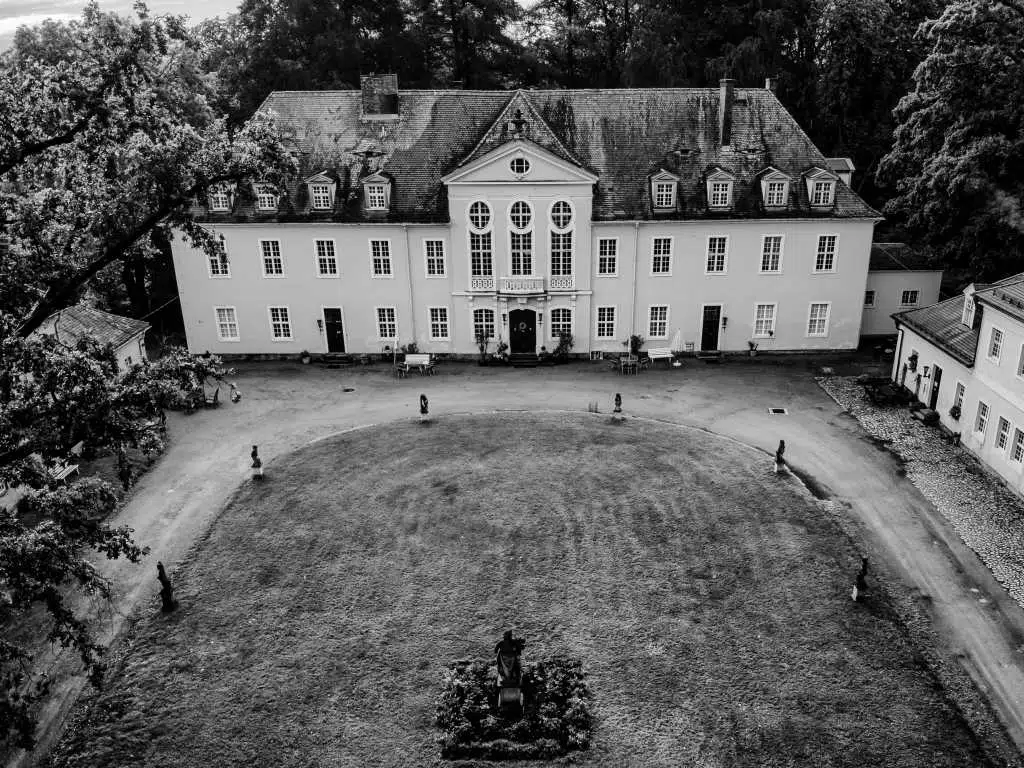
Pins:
<point x="958" y="158"/>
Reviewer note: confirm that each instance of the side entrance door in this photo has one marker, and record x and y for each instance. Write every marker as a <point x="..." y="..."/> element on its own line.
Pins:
<point x="936" y="378"/>
<point x="710" y="323"/>
<point x="334" y="329"/>
<point x="522" y="332"/>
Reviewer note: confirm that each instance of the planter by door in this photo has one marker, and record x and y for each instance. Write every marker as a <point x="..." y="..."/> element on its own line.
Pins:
<point x="334" y="329"/>
<point x="712" y="319"/>
<point x="522" y="331"/>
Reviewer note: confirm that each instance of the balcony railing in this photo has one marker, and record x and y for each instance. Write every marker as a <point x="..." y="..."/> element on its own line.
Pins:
<point x="522" y="285"/>
<point x="481" y="283"/>
<point x="561" y="282"/>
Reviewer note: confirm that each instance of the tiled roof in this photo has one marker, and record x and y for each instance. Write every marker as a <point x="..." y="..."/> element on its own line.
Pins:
<point x="1007" y="295"/>
<point x="75" y="322"/>
<point x="623" y="136"/>
<point x="899" y="256"/>
<point x="941" y="324"/>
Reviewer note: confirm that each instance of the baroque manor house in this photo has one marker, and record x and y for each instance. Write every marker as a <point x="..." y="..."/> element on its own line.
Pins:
<point x="430" y="216"/>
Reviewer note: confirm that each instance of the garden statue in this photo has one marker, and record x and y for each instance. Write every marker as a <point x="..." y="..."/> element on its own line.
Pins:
<point x="860" y="587"/>
<point x="257" y="464"/>
<point x="779" y="461"/>
<point x="166" y="591"/>
<point x="618" y="403"/>
<point x="424" y="408"/>
<point x="510" y="670"/>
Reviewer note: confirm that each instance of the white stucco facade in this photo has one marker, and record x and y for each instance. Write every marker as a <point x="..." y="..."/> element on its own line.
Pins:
<point x="886" y="291"/>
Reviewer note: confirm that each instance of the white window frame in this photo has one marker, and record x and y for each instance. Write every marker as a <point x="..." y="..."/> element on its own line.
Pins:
<point x="379" y="323"/>
<point x="325" y="190"/>
<point x="874" y="298"/>
<point x="490" y="216"/>
<point x="671" y="249"/>
<point x="569" y="225"/>
<point x="524" y="254"/>
<point x="664" y="195"/>
<point x="527" y="166"/>
<point x="829" y="190"/>
<point x="263" y="260"/>
<point x="1003" y="433"/>
<point x="770" y="332"/>
<point x="552" y="323"/>
<point x="561" y="271"/>
<point x="615" y="257"/>
<point x="287" y="321"/>
<point x="651" y="321"/>
<point x="782" y="250"/>
<point x="445" y="321"/>
<point x="597" y="322"/>
<point x="994" y="342"/>
<point x="1017" y="446"/>
<point x="390" y="274"/>
<point x="219" y="200"/>
<point x="981" y="418"/>
<point x="784" y="195"/>
<point x="529" y="227"/>
<point x="490" y="251"/>
<point x="707" y="256"/>
<point x="442" y="259"/>
<point x="714" y="187"/>
<point x="959" y="391"/>
<point x="332" y="258"/>
<point x="817" y="251"/>
<point x="828" y="319"/>
<point x="222" y="262"/>
<point x="494" y="321"/>
<point x="262" y="196"/>
<point x="217" y="323"/>
<point x="967" y="316"/>
<point x="377" y="197"/>
<point x="903" y="297"/>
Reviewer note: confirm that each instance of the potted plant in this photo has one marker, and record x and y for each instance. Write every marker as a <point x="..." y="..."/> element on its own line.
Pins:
<point x="954" y="413"/>
<point x="305" y="357"/>
<point x="912" y="362"/>
<point x="501" y="351"/>
<point x="635" y="344"/>
<point x="565" y="344"/>
<point x="752" y="348"/>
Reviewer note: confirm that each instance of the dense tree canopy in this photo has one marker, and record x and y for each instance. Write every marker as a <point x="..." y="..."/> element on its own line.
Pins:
<point x="958" y="158"/>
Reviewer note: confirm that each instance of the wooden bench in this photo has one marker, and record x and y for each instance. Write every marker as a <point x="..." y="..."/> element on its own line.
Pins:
<point x="61" y="474"/>
<point x="661" y="353"/>
<point x="420" y="362"/>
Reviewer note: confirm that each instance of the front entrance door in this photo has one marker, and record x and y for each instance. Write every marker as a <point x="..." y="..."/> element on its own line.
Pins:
<point x="522" y="331"/>
<point x="710" y="323"/>
<point x="334" y="329"/>
<point x="936" y="378"/>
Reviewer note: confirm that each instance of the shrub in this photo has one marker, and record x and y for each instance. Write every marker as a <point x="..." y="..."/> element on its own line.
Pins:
<point x="565" y="344"/>
<point x="556" y="717"/>
<point x="481" y="344"/>
<point x="636" y="343"/>
<point x="954" y="412"/>
<point x="412" y="348"/>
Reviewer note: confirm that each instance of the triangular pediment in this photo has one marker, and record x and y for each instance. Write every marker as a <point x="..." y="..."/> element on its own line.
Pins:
<point x="376" y="178"/>
<point x="820" y="174"/>
<point x="772" y="173"/>
<point x="663" y="175"/>
<point x="499" y="166"/>
<point x="319" y="178"/>
<point x="717" y="173"/>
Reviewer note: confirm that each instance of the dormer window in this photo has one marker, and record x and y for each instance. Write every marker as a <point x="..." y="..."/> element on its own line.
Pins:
<point x="822" y="192"/>
<point x="665" y="194"/>
<point x="376" y="199"/>
<point x="821" y="187"/>
<point x="775" y="194"/>
<point x="266" y="197"/>
<point x="320" y="195"/>
<point x="721" y="194"/>
<point x="968" y="315"/>
<point x="219" y="199"/>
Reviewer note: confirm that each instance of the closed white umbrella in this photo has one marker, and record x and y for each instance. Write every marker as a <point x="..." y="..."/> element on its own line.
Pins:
<point x="677" y="341"/>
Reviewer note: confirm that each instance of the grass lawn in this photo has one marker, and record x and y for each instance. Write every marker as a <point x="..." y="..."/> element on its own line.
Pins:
<point x="707" y="597"/>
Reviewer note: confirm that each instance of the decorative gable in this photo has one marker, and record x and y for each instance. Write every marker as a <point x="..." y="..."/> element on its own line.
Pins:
<point x="376" y="192"/>
<point x="520" y="160"/>
<point x="720" y="188"/>
<point x="775" y="188"/>
<point x="664" y="190"/>
<point x="321" y="188"/>
<point x="821" y="187"/>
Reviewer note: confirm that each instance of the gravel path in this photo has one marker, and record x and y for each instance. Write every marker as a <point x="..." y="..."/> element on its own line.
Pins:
<point x="987" y="516"/>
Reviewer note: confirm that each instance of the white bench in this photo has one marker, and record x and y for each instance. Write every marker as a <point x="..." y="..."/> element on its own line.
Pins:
<point x="63" y="473"/>
<point x="660" y="353"/>
<point x="420" y="362"/>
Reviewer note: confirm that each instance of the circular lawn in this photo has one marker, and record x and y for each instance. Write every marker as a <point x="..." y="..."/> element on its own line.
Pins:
<point x="707" y="598"/>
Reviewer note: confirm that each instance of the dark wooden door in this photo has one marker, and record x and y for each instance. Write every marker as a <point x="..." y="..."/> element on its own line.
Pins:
<point x="522" y="331"/>
<point x="936" y="378"/>
<point x="709" y="328"/>
<point x="334" y="329"/>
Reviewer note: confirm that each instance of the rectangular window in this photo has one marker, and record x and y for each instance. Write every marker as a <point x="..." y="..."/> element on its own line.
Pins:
<point x="606" y="322"/>
<point x="280" y="324"/>
<point x="764" y="320"/>
<point x="483" y="323"/>
<point x="995" y="345"/>
<point x="227" y="323"/>
<point x="219" y="200"/>
<point x="266" y="198"/>
<point x="375" y="197"/>
<point x="958" y="396"/>
<point x="326" y="262"/>
<point x="561" y="253"/>
<point x="321" y="196"/>
<point x="435" y="257"/>
<point x="608" y="259"/>
<point x="665" y="194"/>
<point x="869" y="298"/>
<point x="439" y="323"/>
<point x="771" y="253"/>
<point x="480" y="259"/>
<point x="1002" y="433"/>
<point x="661" y="256"/>
<point x="522" y="253"/>
<point x="909" y="298"/>
<point x="981" y="421"/>
<point x="817" y="323"/>
<point x="822" y="194"/>
<point x="775" y="196"/>
<point x="273" y="264"/>
<point x="561" y="322"/>
<point x="720" y="194"/>
<point x="825" y="260"/>
<point x="1017" y="452"/>
<point x="716" y="254"/>
<point x="218" y="262"/>
<point x="380" y="252"/>
<point x="657" y="325"/>
<point x="387" y="324"/>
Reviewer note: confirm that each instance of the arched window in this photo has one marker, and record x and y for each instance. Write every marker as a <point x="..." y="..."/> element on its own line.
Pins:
<point x="561" y="214"/>
<point x="479" y="216"/>
<point x="520" y="214"/>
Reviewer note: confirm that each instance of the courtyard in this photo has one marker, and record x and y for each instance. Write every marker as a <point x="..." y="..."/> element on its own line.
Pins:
<point x="676" y="525"/>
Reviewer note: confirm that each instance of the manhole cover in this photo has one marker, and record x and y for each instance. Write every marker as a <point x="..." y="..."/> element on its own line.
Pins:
<point x="348" y="389"/>
<point x="777" y="411"/>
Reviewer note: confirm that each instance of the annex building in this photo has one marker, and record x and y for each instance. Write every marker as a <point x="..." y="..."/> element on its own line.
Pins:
<point x="433" y="216"/>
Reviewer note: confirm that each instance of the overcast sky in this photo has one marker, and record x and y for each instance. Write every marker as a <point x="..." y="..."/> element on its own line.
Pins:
<point x="14" y="13"/>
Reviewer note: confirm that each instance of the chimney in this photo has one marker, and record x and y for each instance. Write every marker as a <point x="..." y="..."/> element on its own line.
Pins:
<point x="725" y="110"/>
<point x="380" y="95"/>
<point x="770" y="83"/>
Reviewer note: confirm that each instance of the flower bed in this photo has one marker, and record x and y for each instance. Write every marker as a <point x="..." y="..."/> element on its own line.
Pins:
<point x="556" y="716"/>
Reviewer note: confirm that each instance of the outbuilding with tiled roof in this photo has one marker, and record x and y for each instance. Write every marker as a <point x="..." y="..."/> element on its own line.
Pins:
<point x="127" y="335"/>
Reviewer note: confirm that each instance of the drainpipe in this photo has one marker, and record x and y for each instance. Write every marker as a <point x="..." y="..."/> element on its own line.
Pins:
<point x="408" y="265"/>
<point x="896" y="360"/>
<point x="636" y="260"/>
